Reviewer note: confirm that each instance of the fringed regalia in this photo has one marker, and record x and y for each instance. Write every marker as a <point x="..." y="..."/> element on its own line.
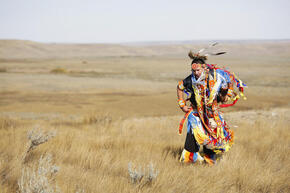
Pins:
<point x="206" y="127"/>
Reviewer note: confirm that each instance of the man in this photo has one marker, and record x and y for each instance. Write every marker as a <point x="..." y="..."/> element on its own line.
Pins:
<point x="206" y="128"/>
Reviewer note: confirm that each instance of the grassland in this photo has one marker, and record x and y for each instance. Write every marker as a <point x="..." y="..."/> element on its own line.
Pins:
<point x="110" y="108"/>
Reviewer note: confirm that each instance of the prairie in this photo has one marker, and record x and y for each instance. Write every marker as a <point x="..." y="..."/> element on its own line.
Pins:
<point x="112" y="105"/>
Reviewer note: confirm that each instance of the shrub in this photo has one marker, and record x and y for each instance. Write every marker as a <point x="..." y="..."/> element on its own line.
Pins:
<point x="36" y="137"/>
<point x="58" y="71"/>
<point x="147" y="176"/>
<point x="3" y="70"/>
<point x="40" y="178"/>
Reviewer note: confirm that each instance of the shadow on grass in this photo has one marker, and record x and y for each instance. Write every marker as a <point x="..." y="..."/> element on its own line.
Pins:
<point x="173" y="151"/>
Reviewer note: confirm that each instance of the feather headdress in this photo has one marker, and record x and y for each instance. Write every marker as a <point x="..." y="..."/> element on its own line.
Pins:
<point x="199" y="56"/>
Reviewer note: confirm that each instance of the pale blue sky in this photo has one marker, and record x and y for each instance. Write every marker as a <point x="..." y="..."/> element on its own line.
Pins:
<point x="113" y="21"/>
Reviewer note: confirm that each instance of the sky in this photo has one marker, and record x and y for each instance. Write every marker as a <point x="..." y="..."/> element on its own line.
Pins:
<point x="117" y="21"/>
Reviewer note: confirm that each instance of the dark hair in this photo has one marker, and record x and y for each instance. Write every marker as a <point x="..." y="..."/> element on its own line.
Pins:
<point x="196" y="58"/>
<point x="198" y="61"/>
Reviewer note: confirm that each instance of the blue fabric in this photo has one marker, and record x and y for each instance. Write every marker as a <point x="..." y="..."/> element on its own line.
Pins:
<point x="187" y="94"/>
<point x="224" y="74"/>
<point x="224" y="81"/>
<point x="195" y="82"/>
<point x="223" y="122"/>
<point x="191" y="120"/>
<point x="194" y="157"/>
<point x="193" y="77"/>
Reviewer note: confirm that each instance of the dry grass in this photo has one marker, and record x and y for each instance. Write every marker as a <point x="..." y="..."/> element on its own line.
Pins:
<point x="112" y="111"/>
<point x="94" y="156"/>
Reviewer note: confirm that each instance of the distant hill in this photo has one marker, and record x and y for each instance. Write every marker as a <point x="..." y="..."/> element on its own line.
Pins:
<point x="23" y="49"/>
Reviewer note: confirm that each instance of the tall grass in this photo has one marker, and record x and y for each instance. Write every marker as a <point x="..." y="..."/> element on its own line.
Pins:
<point x="93" y="155"/>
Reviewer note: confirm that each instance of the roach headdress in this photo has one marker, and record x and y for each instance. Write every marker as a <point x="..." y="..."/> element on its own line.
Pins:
<point x="201" y="58"/>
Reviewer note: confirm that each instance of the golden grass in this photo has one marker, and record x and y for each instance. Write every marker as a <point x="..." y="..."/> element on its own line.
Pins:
<point x="110" y="111"/>
<point x="94" y="155"/>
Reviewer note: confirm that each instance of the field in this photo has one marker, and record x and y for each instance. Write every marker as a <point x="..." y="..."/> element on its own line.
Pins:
<point x="104" y="107"/>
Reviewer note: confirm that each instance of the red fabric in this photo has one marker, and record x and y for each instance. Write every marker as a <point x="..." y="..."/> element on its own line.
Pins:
<point x="191" y="156"/>
<point x="228" y="105"/>
<point x="182" y="122"/>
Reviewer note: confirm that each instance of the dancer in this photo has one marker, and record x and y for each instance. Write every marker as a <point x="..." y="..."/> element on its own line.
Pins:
<point x="208" y="88"/>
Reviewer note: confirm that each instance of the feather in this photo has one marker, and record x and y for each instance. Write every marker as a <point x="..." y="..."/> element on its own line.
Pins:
<point x="215" y="54"/>
<point x="220" y="53"/>
<point x="203" y="49"/>
<point x="204" y="56"/>
<point x="214" y="44"/>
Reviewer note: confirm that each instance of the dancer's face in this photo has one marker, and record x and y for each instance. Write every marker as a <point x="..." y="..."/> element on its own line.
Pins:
<point x="197" y="70"/>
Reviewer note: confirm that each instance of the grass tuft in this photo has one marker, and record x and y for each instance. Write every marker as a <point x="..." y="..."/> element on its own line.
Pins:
<point x="58" y="71"/>
<point x="142" y="175"/>
<point x="3" y="70"/>
<point x="40" y="178"/>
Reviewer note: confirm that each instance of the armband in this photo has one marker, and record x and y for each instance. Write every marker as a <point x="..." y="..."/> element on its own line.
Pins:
<point x="181" y="103"/>
<point x="180" y="85"/>
<point x="230" y="92"/>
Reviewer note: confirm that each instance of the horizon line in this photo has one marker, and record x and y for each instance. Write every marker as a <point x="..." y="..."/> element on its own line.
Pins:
<point x="155" y="41"/>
